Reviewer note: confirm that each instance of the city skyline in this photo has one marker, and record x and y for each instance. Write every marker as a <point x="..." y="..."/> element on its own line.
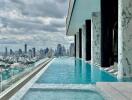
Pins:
<point x="30" y="47"/>
<point x="44" y="27"/>
<point x="60" y="50"/>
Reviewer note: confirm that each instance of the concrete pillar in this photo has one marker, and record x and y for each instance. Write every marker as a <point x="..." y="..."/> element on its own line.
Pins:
<point x="125" y="39"/>
<point x="80" y="43"/>
<point x="88" y="40"/>
<point x="83" y="42"/>
<point x="96" y="39"/>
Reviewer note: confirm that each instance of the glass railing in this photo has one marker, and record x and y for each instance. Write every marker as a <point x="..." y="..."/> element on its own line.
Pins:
<point x="9" y="76"/>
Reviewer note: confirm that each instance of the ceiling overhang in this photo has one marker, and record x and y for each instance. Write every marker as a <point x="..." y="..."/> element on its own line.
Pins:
<point x="78" y="12"/>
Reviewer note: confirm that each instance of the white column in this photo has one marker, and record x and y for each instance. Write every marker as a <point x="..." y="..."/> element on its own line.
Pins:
<point x="125" y="39"/>
<point x="83" y="42"/>
<point x="96" y="39"/>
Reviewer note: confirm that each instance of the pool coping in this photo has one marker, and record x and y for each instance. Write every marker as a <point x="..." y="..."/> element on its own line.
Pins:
<point x="64" y="86"/>
<point x="6" y="94"/>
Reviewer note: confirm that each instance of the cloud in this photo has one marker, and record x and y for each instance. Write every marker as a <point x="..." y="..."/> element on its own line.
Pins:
<point x="36" y="22"/>
<point x="45" y="8"/>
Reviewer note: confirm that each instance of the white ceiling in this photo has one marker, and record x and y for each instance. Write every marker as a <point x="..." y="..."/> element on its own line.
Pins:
<point x="82" y="10"/>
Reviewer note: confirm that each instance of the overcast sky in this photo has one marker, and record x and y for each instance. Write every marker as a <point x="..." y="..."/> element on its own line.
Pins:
<point x="39" y="23"/>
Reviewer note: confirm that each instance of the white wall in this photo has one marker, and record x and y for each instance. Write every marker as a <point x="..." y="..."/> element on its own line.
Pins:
<point x="96" y="39"/>
<point x="83" y="42"/>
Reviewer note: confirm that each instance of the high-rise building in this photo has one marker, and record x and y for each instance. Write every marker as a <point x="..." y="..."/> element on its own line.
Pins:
<point x="46" y="51"/>
<point x="20" y="52"/>
<point x="25" y="48"/>
<point x="59" y="50"/>
<point x="11" y="52"/>
<point x="50" y="53"/>
<point x="30" y="53"/>
<point x="34" y="52"/>
<point x="63" y="51"/>
<point x="6" y="51"/>
<point x="41" y="53"/>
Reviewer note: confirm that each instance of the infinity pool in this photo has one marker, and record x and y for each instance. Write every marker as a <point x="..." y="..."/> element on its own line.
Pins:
<point x="73" y="71"/>
<point x="66" y="79"/>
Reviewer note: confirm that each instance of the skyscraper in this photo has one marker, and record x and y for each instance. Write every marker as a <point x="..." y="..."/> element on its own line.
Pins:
<point x="59" y="50"/>
<point x="6" y="51"/>
<point x="20" y="52"/>
<point x="41" y="53"/>
<point x="11" y="52"/>
<point x="25" y="48"/>
<point x="34" y="52"/>
<point x="63" y="51"/>
<point x="30" y="53"/>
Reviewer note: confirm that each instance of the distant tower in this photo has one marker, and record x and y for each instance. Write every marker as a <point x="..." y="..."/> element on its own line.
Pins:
<point x="30" y="53"/>
<point x="11" y="52"/>
<point x="59" y="50"/>
<point x="20" y="52"/>
<point x="34" y="52"/>
<point x="6" y="51"/>
<point x="25" y="48"/>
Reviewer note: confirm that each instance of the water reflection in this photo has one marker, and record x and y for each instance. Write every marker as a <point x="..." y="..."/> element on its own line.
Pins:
<point x="86" y="73"/>
<point x="95" y="74"/>
<point x="82" y="71"/>
<point x="78" y="70"/>
<point x="73" y="71"/>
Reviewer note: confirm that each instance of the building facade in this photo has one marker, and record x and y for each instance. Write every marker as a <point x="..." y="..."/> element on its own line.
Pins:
<point x="103" y="33"/>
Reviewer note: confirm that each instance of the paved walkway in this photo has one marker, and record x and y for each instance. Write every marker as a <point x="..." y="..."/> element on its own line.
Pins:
<point x="116" y="91"/>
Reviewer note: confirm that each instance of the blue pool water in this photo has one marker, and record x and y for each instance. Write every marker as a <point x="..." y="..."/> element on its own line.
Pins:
<point x="73" y="71"/>
<point x="62" y="95"/>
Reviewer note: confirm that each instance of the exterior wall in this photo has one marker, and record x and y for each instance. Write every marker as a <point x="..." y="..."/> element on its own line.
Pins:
<point x="96" y="39"/>
<point x="77" y="45"/>
<point x="84" y="42"/>
<point x="125" y="39"/>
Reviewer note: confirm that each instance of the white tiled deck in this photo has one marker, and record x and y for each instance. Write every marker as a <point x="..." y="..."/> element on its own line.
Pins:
<point x="116" y="91"/>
